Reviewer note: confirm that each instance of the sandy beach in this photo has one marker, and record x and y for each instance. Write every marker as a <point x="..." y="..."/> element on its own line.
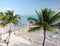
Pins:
<point x="20" y="37"/>
<point x="29" y="22"/>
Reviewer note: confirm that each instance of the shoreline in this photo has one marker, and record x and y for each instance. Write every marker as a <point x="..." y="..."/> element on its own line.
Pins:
<point x="13" y="30"/>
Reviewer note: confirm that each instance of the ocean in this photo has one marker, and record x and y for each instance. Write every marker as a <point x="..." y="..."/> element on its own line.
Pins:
<point x="23" y="20"/>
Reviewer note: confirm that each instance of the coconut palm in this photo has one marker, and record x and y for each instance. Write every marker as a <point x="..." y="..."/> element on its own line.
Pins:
<point x="1" y="17"/>
<point x="46" y="18"/>
<point x="10" y="19"/>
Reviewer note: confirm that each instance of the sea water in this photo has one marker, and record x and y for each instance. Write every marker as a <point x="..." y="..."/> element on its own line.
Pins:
<point x="23" y="21"/>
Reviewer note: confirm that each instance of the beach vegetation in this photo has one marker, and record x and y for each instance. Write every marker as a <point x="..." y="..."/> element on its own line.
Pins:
<point x="45" y="19"/>
<point x="9" y="18"/>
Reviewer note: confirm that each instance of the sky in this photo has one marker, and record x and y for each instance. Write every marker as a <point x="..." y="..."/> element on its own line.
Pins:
<point x="27" y="7"/>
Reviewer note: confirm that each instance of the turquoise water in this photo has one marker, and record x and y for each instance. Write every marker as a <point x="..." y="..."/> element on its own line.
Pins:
<point x="24" y="21"/>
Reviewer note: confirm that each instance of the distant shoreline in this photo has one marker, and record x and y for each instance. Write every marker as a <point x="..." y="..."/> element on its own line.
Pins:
<point x="16" y="29"/>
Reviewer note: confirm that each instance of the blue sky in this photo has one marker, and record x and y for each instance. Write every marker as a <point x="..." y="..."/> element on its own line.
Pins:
<point x="27" y="7"/>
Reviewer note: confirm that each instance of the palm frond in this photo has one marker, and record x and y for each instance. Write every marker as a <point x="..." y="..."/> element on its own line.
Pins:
<point x="47" y="13"/>
<point x="15" y="21"/>
<point x="9" y="12"/>
<point x="48" y="28"/>
<point x="56" y="24"/>
<point x="51" y="13"/>
<point x="32" y="19"/>
<point x="4" y="23"/>
<point x="39" y="14"/>
<point x="17" y="16"/>
<point x="34" y="29"/>
<point x="1" y="15"/>
<point x="54" y="18"/>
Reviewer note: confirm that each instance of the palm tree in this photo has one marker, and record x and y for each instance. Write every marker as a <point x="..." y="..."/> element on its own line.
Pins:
<point x="46" y="18"/>
<point x="1" y="17"/>
<point x="10" y="18"/>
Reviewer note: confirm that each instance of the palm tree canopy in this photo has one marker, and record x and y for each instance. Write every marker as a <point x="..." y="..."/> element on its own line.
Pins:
<point x="11" y="18"/>
<point x="1" y="16"/>
<point x="46" y="18"/>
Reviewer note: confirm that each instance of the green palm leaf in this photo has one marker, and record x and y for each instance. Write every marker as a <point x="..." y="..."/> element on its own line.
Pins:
<point x="54" y="18"/>
<point x="1" y="16"/>
<point x="17" y="16"/>
<point x="34" y="29"/>
<point x="32" y="19"/>
<point x="40" y="17"/>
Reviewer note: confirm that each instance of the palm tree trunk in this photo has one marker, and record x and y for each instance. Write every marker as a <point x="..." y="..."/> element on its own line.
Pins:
<point x="8" y="38"/>
<point x="0" y="37"/>
<point x="9" y="35"/>
<point x="7" y="43"/>
<point x="44" y="37"/>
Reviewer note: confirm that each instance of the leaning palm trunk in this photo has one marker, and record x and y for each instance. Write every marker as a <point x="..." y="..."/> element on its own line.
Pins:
<point x="0" y="38"/>
<point x="9" y="35"/>
<point x="44" y="37"/>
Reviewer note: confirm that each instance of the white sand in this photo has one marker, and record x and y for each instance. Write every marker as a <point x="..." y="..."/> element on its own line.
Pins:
<point x="20" y="37"/>
<point x="16" y="41"/>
